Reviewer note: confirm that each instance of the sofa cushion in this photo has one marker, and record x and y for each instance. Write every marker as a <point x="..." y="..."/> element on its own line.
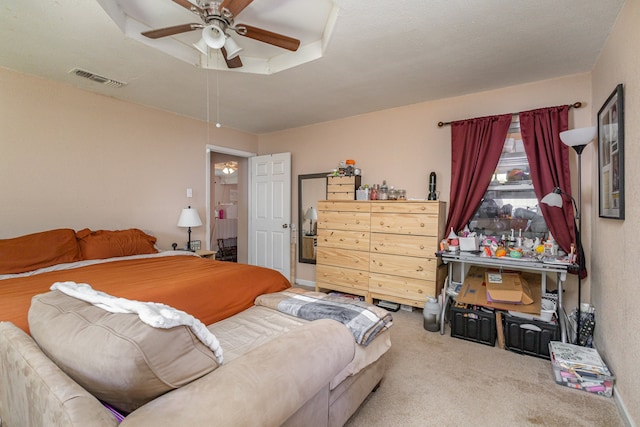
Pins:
<point x="101" y="244"/>
<point x="38" y="250"/>
<point x="116" y="357"/>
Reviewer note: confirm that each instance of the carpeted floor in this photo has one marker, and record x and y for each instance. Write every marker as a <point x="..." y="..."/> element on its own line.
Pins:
<point x="434" y="379"/>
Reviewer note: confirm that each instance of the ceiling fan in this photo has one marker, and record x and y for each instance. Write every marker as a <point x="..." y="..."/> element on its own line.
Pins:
<point x="218" y="17"/>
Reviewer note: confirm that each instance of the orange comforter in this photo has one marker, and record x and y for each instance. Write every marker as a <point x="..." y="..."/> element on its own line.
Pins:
<point x="209" y="290"/>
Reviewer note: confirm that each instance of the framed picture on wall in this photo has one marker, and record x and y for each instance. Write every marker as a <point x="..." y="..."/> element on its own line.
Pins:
<point x="611" y="156"/>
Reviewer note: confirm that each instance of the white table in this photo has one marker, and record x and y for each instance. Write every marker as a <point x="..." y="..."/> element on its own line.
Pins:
<point x="471" y="258"/>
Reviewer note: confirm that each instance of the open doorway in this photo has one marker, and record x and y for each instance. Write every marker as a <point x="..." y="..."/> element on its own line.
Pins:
<point x="227" y="201"/>
<point x="224" y="195"/>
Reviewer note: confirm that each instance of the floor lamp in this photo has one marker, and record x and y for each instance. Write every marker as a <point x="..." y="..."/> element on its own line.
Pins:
<point x="576" y="139"/>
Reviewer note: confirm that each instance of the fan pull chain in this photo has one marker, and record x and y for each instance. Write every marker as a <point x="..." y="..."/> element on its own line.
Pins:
<point x="218" y="91"/>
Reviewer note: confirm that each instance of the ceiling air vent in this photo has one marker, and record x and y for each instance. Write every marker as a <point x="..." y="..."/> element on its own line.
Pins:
<point x="96" y="78"/>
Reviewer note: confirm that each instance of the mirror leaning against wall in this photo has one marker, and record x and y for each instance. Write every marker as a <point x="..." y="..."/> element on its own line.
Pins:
<point x="311" y="188"/>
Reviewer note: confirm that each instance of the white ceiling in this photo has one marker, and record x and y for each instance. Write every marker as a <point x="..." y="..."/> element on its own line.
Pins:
<point x="381" y="54"/>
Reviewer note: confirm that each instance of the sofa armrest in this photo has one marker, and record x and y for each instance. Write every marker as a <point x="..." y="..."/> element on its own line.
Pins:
<point x="263" y="387"/>
<point x="35" y="392"/>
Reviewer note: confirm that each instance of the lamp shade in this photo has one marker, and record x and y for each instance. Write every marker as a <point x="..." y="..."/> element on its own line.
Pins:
<point x="232" y="48"/>
<point x="579" y="136"/>
<point x="553" y="199"/>
<point x="189" y="218"/>
<point x="202" y="46"/>
<point x="213" y="36"/>
<point x="311" y="214"/>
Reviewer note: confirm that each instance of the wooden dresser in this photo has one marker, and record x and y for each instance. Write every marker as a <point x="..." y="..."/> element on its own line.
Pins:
<point x="381" y="249"/>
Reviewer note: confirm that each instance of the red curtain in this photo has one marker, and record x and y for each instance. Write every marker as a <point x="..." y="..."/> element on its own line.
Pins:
<point x="549" y="164"/>
<point x="476" y="145"/>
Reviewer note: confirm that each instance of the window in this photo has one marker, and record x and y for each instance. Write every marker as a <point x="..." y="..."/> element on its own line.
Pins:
<point x="510" y="202"/>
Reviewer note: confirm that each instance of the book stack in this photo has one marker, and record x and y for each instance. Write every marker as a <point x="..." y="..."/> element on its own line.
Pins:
<point x="581" y="368"/>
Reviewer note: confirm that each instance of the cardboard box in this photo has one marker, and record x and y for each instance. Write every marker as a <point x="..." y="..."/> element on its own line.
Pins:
<point x="474" y="291"/>
<point x="507" y="287"/>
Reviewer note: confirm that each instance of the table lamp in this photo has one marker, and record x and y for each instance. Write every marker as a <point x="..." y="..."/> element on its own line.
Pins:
<point x="189" y="218"/>
<point x="311" y="215"/>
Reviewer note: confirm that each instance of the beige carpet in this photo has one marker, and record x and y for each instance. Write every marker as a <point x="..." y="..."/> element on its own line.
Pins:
<point x="434" y="379"/>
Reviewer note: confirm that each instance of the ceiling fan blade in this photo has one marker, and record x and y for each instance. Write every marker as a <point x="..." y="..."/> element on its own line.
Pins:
<point x="170" y="31"/>
<point x="190" y="6"/>
<point x="234" y="6"/>
<point x="231" y="63"/>
<point x="265" y="36"/>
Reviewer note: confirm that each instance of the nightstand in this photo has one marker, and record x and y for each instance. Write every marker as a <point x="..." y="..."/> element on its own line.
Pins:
<point x="206" y="254"/>
<point x="309" y="247"/>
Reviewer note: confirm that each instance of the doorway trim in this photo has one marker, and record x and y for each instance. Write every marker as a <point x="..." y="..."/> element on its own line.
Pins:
<point x="220" y="150"/>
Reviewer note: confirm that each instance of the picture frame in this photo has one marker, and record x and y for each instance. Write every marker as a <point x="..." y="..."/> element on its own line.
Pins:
<point x="611" y="156"/>
<point x="196" y="245"/>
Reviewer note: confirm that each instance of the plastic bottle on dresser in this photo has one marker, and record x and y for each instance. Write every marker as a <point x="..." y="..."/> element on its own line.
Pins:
<point x="383" y="194"/>
<point x="373" y="195"/>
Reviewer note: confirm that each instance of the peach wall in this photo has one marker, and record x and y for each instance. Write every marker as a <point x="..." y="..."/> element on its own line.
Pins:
<point x="615" y="252"/>
<point x="403" y="145"/>
<point x="71" y="158"/>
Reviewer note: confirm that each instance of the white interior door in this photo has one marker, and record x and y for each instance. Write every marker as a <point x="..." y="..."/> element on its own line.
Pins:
<point x="270" y="212"/>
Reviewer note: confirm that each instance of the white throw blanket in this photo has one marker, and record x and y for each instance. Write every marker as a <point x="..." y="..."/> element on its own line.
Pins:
<point x="152" y="313"/>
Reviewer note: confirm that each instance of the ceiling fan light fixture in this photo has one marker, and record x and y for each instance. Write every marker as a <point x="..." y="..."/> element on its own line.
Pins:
<point x="213" y="36"/>
<point x="202" y="46"/>
<point x="228" y="169"/>
<point x="232" y="48"/>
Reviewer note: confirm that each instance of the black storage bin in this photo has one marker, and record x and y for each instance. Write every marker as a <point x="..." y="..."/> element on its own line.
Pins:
<point x="529" y="336"/>
<point x="473" y="323"/>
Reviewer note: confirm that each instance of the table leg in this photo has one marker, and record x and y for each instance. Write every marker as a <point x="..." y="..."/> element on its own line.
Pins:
<point x="560" y="312"/>
<point x="445" y="296"/>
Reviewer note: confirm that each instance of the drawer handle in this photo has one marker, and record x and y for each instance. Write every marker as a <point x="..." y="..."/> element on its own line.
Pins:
<point x="421" y="246"/>
<point x="422" y="208"/>
<point x="419" y="291"/>
<point x="422" y="224"/>
<point x="381" y="222"/>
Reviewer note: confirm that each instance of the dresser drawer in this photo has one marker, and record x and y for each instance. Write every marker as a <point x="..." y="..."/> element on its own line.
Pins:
<point x="349" y="221"/>
<point x="337" y="195"/>
<point x="358" y="260"/>
<point x="328" y="205"/>
<point x="354" y="240"/>
<point x="401" y="287"/>
<point x="405" y="266"/>
<point x="406" y="207"/>
<point x="334" y="277"/>
<point x="351" y="180"/>
<point x="417" y="224"/>
<point x="400" y="244"/>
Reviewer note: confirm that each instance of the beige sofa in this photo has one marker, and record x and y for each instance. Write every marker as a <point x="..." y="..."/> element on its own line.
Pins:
<point x="278" y="370"/>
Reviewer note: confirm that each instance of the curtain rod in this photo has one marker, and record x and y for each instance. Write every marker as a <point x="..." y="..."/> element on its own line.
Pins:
<point x="574" y="105"/>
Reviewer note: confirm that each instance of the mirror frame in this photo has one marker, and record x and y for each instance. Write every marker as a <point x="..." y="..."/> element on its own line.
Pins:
<point x="301" y="212"/>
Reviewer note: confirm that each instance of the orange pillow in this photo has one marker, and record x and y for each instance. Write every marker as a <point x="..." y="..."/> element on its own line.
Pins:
<point x="38" y="250"/>
<point x="102" y="244"/>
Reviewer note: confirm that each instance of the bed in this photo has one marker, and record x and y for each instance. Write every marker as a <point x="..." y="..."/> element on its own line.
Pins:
<point x="72" y="358"/>
<point x="207" y="289"/>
